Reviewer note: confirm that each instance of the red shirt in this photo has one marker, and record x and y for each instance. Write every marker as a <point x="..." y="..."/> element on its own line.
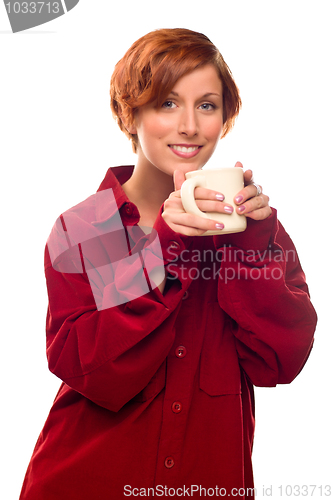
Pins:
<point x="157" y="393"/>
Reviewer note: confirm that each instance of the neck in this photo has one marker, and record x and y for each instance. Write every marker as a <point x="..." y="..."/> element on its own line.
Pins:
<point x="148" y="188"/>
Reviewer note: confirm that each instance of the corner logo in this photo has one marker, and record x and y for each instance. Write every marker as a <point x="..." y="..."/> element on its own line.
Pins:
<point x="24" y="15"/>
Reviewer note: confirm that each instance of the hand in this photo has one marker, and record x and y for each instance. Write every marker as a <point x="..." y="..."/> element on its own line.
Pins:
<point x="189" y="224"/>
<point x="249" y="202"/>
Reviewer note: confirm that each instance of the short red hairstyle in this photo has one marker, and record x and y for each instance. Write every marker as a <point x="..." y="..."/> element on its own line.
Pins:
<point x="151" y="67"/>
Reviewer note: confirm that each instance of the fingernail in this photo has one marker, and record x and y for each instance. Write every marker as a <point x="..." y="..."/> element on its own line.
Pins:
<point x="228" y="209"/>
<point x="241" y="208"/>
<point x="219" y="226"/>
<point x="238" y="199"/>
<point x="220" y="197"/>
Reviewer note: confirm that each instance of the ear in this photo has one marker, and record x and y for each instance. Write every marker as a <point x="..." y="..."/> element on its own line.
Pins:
<point x="131" y="129"/>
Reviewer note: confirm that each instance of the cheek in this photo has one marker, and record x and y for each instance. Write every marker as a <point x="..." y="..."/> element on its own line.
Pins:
<point x="218" y="128"/>
<point x="213" y="129"/>
<point x="154" y="129"/>
<point x="162" y="126"/>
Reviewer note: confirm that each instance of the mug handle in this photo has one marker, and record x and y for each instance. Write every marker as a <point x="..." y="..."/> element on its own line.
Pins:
<point x="187" y="195"/>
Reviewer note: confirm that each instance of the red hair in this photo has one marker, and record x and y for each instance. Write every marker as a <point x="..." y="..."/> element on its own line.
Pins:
<point x="151" y="67"/>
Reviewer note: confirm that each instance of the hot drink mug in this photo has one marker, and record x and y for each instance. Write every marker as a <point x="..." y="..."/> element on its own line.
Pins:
<point x="228" y="181"/>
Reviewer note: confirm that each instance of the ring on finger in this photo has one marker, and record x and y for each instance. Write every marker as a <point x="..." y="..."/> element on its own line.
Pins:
<point x="259" y="190"/>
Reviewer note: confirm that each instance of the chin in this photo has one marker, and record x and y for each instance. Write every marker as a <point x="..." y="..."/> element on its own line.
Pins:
<point x="191" y="168"/>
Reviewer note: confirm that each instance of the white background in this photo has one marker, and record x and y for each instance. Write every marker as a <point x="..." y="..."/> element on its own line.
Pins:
<point x="58" y="139"/>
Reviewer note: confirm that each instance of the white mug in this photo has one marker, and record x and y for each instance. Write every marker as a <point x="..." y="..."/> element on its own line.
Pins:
<point x="228" y="181"/>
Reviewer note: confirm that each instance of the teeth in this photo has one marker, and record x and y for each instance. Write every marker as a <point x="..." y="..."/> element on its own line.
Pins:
<point x="184" y="149"/>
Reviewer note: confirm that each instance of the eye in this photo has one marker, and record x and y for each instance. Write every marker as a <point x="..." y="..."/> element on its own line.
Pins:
<point x="207" y="106"/>
<point x="168" y="105"/>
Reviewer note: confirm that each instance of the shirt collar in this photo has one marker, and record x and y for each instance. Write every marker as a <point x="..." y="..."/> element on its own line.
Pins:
<point x="106" y="208"/>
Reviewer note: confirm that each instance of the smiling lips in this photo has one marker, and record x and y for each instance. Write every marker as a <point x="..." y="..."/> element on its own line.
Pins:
<point x="185" y="151"/>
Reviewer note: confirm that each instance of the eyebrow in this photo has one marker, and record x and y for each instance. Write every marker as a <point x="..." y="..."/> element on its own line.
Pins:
<point x="208" y="94"/>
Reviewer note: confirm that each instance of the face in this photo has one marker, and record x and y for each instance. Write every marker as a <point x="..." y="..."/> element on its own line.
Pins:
<point x="183" y="133"/>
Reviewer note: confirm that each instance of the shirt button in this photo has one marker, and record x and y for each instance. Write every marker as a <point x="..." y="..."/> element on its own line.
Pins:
<point x="177" y="407"/>
<point x="185" y="296"/>
<point x="169" y="462"/>
<point x="174" y="245"/>
<point x="181" y="351"/>
<point x="128" y="209"/>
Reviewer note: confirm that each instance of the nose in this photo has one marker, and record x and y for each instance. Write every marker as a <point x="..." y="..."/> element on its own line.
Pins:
<point x="188" y="124"/>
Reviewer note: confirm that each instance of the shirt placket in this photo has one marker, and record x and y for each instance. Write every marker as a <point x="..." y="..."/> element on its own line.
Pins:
<point x="182" y="363"/>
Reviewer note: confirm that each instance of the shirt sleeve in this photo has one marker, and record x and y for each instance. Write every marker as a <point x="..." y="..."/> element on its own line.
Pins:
<point x="109" y="329"/>
<point x="262" y="287"/>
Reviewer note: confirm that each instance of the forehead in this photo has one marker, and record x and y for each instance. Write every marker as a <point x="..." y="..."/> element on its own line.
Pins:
<point x="204" y="80"/>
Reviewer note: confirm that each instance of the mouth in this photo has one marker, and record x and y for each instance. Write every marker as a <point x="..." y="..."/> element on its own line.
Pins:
<point x="185" y="151"/>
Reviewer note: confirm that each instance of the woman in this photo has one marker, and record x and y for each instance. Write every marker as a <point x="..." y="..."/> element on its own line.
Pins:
<point x="159" y="334"/>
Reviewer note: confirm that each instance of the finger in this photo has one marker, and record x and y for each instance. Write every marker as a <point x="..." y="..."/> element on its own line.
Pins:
<point x="249" y="191"/>
<point x="214" y="206"/>
<point x="209" y="200"/>
<point x="260" y="214"/>
<point x="174" y="203"/>
<point x="178" y="179"/>
<point x="238" y="164"/>
<point x="256" y="203"/>
<point x="201" y="193"/>
<point x="248" y="174"/>
<point x="248" y="177"/>
<point x="191" y="225"/>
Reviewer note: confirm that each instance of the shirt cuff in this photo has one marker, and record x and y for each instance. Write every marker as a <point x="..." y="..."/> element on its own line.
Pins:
<point x="256" y="236"/>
